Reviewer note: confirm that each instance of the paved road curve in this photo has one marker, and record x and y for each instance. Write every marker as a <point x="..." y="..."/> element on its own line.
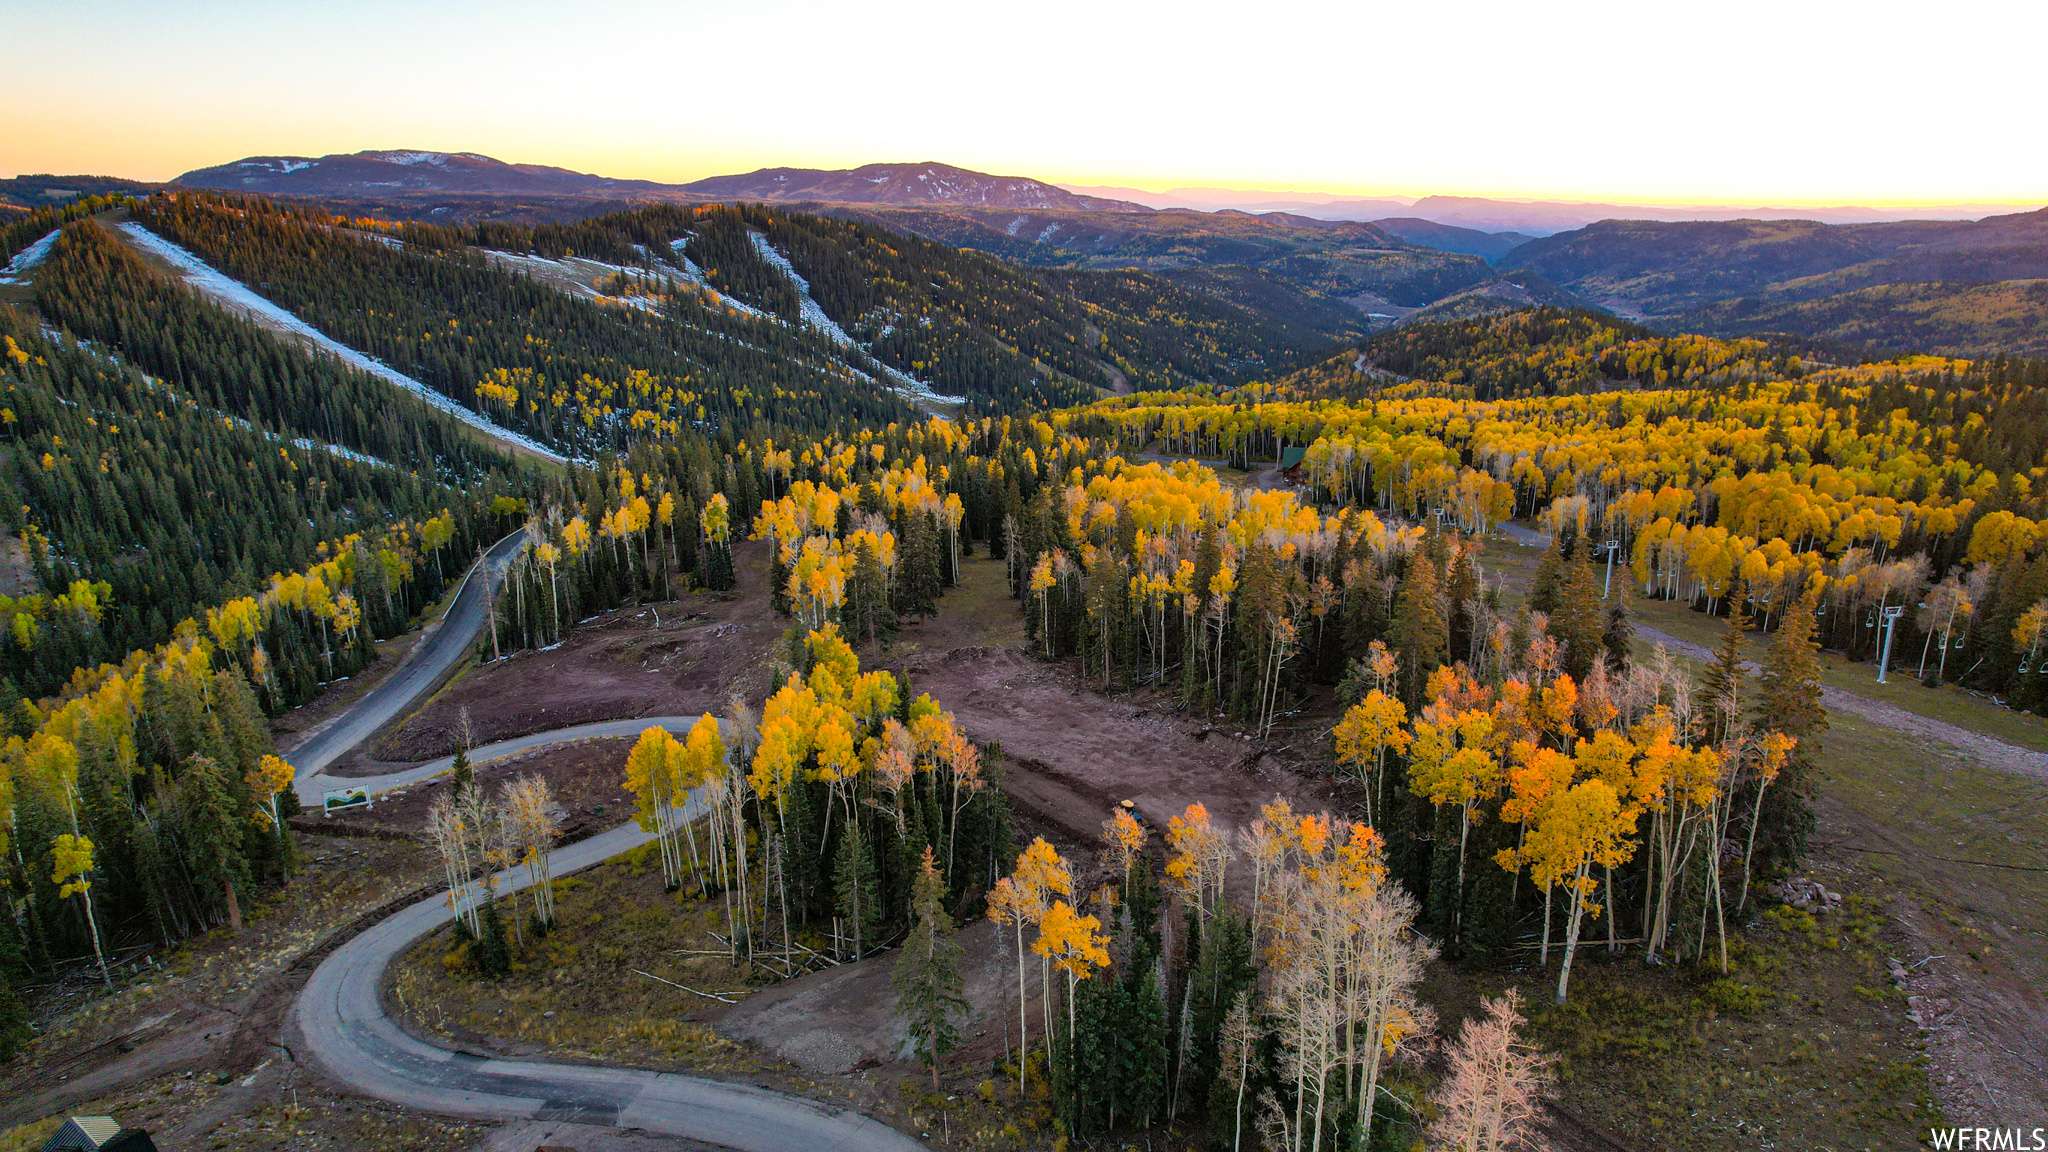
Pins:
<point x="437" y="652"/>
<point x="310" y="788"/>
<point x="340" y="1016"/>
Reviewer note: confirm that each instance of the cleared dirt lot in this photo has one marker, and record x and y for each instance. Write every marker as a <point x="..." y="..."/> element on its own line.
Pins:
<point x="1071" y="755"/>
<point x="587" y="779"/>
<point x="675" y="658"/>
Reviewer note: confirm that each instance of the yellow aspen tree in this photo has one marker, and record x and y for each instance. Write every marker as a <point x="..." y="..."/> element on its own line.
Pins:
<point x="650" y="780"/>
<point x="267" y="781"/>
<point x="1453" y="763"/>
<point x="1385" y="962"/>
<point x="1021" y="899"/>
<point x="1537" y="776"/>
<point x="549" y="556"/>
<point x="1074" y="944"/>
<point x="1272" y="845"/>
<point x="72" y="863"/>
<point x="1123" y="841"/>
<point x="1369" y="730"/>
<point x="1197" y="854"/>
<point x="1041" y="586"/>
<point x="1581" y="827"/>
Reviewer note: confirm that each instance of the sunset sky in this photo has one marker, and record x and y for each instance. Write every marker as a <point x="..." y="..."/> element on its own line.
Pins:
<point x="1785" y="102"/>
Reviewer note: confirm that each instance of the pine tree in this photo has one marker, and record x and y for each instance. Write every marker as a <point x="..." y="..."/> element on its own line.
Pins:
<point x="1721" y="680"/>
<point x="927" y="973"/>
<point x="1789" y="702"/>
<point x="14" y="1021"/>
<point x="1575" y="621"/>
<point x="1223" y="970"/>
<point x="213" y="823"/>
<point x="12" y="720"/>
<point x="490" y="953"/>
<point x="460" y="774"/>
<point x="1618" y="638"/>
<point x="854" y="890"/>
<point x="1420" y="632"/>
<point x="1549" y="579"/>
<point x="1140" y="1051"/>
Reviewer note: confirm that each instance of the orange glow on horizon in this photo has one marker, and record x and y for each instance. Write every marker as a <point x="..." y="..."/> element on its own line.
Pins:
<point x="149" y="156"/>
<point x="1311" y="100"/>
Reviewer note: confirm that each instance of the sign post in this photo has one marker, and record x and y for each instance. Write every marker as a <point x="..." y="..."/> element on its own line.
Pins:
<point x="344" y="800"/>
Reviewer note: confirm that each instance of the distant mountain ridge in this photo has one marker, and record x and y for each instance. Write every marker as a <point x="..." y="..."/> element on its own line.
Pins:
<point x="404" y="172"/>
<point x="1661" y="269"/>
<point x="930" y="184"/>
<point x="1489" y="246"/>
<point x="1961" y="287"/>
<point x="925" y="184"/>
<point x="1968" y="287"/>
<point x="1532" y="217"/>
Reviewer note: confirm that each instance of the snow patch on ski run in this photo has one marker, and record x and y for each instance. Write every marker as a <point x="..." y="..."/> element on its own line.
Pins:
<point x="28" y="258"/>
<point x="813" y="315"/>
<point x="226" y="289"/>
<point x="917" y="391"/>
<point x="902" y="383"/>
<point x="558" y="271"/>
<point x="694" y="275"/>
<point x="577" y="275"/>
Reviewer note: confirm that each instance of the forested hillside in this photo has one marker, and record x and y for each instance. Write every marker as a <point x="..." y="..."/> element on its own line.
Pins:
<point x="568" y="371"/>
<point x="1358" y="264"/>
<point x="961" y="322"/>
<point x="1961" y="288"/>
<point x="97" y="288"/>
<point x="2006" y="318"/>
<point x="115" y="478"/>
<point x="18" y="234"/>
<point x="177" y="456"/>
<point x="1901" y="482"/>
<point x="1538" y="352"/>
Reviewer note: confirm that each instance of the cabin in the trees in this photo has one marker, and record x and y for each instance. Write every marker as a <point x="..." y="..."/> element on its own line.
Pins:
<point x="1290" y="462"/>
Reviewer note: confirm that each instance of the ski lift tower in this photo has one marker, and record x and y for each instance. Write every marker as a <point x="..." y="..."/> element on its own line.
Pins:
<point x="1890" y="625"/>
<point x="1609" y="546"/>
